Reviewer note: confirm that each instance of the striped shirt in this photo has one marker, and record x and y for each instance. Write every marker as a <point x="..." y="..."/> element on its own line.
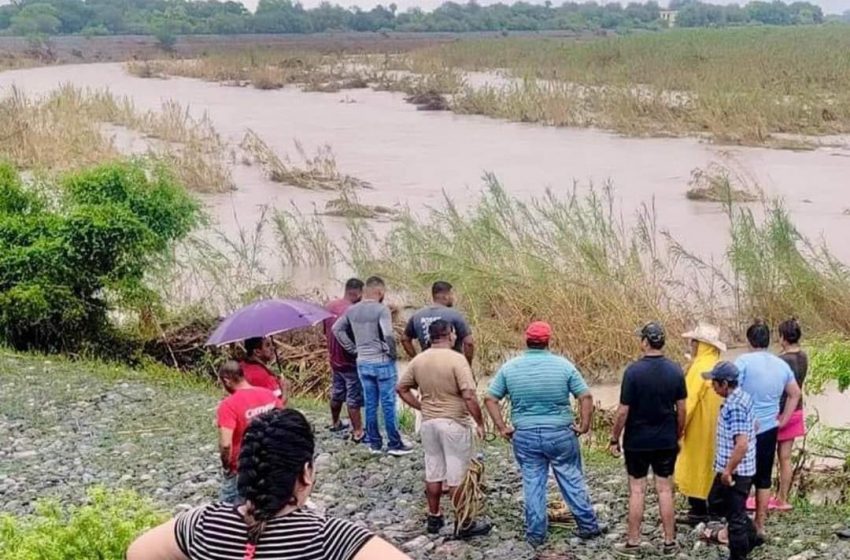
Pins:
<point x="218" y="532"/>
<point x="736" y="418"/>
<point x="539" y="384"/>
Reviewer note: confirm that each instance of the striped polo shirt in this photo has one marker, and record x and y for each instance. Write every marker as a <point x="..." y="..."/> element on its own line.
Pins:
<point x="539" y="384"/>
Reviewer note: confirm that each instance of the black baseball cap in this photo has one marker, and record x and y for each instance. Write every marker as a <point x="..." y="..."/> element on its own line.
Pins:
<point x="723" y="371"/>
<point x="653" y="332"/>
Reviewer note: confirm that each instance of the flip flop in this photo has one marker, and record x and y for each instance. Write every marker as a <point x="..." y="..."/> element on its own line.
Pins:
<point x="751" y="503"/>
<point x="775" y="505"/>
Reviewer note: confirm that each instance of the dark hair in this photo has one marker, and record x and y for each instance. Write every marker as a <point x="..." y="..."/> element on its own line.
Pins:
<point x="375" y="282"/>
<point x="790" y="330"/>
<point x="439" y="329"/>
<point x="353" y="284"/>
<point x="253" y="344"/>
<point x="730" y="384"/>
<point x="536" y="344"/>
<point x="231" y="369"/>
<point x="275" y="448"/>
<point x="440" y="287"/>
<point x="758" y="334"/>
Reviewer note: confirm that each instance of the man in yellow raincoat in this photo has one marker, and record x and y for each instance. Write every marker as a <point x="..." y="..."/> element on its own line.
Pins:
<point x="695" y="465"/>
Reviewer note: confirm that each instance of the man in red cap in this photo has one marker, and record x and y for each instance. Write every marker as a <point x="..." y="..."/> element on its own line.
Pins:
<point x="544" y="432"/>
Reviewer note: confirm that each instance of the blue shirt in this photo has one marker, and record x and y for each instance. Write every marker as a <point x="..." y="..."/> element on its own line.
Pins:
<point x="736" y="418"/>
<point x="539" y="384"/>
<point x="764" y="376"/>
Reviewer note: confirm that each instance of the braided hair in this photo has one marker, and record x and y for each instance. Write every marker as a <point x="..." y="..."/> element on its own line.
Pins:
<point x="275" y="448"/>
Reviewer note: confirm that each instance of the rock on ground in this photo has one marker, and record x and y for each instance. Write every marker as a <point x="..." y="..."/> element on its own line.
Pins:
<point x="67" y="426"/>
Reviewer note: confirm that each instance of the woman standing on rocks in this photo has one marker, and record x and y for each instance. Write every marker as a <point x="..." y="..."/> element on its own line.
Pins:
<point x="789" y="338"/>
<point x="275" y="478"/>
<point x="695" y="465"/>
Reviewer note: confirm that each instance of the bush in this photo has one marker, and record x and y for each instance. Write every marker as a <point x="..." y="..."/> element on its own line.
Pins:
<point x="830" y="363"/>
<point x="66" y="261"/>
<point x="102" y="528"/>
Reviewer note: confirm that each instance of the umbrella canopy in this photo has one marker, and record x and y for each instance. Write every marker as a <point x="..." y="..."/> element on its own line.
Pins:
<point x="267" y="317"/>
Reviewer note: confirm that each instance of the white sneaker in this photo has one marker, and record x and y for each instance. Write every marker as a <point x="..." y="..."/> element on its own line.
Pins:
<point x="405" y="449"/>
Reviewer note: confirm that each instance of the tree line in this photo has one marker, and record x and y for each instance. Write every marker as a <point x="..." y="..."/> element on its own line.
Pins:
<point x="172" y="17"/>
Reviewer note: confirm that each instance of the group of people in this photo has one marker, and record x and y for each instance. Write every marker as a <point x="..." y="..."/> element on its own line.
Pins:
<point x="713" y="432"/>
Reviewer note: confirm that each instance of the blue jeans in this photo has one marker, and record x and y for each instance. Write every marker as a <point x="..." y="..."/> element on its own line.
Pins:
<point x="379" y="382"/>
<point x="536" y="449"/>
<point x="229" y="492"/>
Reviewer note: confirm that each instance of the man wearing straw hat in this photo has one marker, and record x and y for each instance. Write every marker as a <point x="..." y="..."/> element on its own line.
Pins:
<point x="695" y="464"/>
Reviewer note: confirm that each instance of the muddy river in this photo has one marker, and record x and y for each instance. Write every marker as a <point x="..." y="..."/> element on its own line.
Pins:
<point x="411" y="158"/>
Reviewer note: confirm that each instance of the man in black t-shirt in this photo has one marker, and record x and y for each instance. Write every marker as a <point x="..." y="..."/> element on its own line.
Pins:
<point x="652" y="411"/>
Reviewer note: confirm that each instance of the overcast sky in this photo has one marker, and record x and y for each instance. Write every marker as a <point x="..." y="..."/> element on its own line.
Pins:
<point x="829" y="6"/>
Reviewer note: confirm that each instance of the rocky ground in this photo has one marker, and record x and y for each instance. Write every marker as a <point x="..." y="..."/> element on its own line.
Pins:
<point x="66" y="426"/>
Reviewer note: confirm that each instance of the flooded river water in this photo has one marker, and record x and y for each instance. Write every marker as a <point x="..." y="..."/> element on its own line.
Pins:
<point x="411" y="158"/>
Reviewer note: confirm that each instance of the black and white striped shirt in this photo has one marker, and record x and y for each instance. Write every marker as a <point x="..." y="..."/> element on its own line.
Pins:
<point x="218" y="532"/>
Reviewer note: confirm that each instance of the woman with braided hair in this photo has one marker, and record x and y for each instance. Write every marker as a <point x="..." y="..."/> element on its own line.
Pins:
<point x="275" y="479"/>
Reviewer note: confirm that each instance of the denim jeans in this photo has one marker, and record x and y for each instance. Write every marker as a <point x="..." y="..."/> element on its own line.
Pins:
<point x="229" y="492"/>
<point x="379" y="382"/>
<point x="537" y="449"/>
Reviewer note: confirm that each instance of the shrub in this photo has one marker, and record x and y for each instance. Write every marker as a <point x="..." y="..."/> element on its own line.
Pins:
<point x="64" y="262"/>
<point x="101" y="528"/>
<point x="830" y="362"/>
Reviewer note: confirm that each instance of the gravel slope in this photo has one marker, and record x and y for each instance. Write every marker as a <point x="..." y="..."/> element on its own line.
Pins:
<point x="65" y="426"/>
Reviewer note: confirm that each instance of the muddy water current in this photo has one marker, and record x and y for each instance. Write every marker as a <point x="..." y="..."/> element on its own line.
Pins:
<point x="412" y="158"/>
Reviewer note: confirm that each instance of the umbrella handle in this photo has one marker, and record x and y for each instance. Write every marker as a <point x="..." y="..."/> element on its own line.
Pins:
<point x="277" y="357"/>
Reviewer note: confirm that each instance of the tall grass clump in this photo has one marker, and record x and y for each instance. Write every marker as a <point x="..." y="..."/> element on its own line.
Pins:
<point x="103" y="527"/>
<point x="570" y="261"/>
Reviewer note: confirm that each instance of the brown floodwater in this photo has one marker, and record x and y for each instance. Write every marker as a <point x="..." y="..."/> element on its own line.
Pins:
<point x="412" y="158"/>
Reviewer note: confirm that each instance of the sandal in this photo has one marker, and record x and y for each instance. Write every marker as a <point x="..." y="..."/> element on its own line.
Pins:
<point x="670" y="548"/>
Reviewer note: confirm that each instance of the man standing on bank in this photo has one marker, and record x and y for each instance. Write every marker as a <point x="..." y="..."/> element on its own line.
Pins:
<point x="366" y="330"/>
<point x="652" y="411"/>
<point x="346" y="388"/>
<point x="449" y="406"/>
<point x="734" y="461"/>
<point x="766" y="377"/>
<point x="443" y="296"/>
<point x="539" y="384"/>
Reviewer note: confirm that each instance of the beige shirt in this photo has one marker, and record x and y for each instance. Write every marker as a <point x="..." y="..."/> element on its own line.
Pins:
<point x="440" y="374"/>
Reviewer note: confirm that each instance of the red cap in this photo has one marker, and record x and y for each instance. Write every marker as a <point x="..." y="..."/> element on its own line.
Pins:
<point x="538" y="331"/>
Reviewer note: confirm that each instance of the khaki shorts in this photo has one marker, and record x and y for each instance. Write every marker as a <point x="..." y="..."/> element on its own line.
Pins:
<point x="448" y="450"/>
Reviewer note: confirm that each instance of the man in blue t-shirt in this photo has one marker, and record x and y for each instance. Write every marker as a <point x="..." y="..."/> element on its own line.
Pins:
<point x="765" y="377"/>
<point x="539" y="384"/>
<point x="652" y="412"/>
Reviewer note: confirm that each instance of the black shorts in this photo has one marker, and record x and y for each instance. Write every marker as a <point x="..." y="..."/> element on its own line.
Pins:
<point x="662" y="461"/>
<point x="765" y="453"/>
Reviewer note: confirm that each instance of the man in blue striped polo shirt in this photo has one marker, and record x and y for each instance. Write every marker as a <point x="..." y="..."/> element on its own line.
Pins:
<point x="544" y="432"/>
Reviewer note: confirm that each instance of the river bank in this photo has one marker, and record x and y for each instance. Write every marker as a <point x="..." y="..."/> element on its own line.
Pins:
<point x="66" y="426"/>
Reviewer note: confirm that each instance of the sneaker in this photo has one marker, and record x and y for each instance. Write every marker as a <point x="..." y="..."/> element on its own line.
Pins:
<point x="403" y="450"/>
<point x="477" y="528"/>
<point x="374" y="451"/>
<point x="435" y="523"/>
<point x="843" y="534"/>
<point x="339" y="428"/>
<point x="669" y="549"/>
<point x="627" y="550"/>
<point x="601" y="529"/>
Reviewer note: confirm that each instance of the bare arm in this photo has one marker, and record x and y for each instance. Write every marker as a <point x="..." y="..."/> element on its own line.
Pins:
<point x="225" y="443"/>
<point x="738" y="454"/>
<point x="469" y="348"/>
<point x="340" y="330"/>
<point x="471" y="400"/>
<point x="158" y="543"/>
<point x="492" y="405"/>
<point x="407" y="344"/>
<point x="407" y="396"/>
<point x="585" y="404"/>
<point x="377" y="548"/>
<point x="619" y="424"/>
<point x="681" y="417"/>
<point x="794" y="394"/>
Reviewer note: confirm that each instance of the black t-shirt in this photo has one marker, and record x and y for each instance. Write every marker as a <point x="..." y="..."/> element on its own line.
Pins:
<point x="799" y="363"/>
<point x="651" y="387"/>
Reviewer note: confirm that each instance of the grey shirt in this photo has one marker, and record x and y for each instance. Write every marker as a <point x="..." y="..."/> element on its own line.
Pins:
<point x="417" y="326"/>
<point x="371" y="324"/>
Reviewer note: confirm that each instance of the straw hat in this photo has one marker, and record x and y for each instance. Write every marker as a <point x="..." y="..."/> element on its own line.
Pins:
<point x="708" y="334"/>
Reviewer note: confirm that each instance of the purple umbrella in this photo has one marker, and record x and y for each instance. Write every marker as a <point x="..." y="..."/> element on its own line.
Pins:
<point x="267" y="317"/>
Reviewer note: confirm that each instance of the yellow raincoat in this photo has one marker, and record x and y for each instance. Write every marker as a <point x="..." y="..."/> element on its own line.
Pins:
<point x="695" y="464"/>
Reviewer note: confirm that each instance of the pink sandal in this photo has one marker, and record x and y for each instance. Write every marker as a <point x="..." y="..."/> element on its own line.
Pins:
<point x="775" y="505"/>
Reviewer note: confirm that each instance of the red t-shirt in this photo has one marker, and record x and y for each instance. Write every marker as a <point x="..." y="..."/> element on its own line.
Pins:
<point x="236" y="411"/>
<point x="259" y="375"/>
<point x="340" y="359"/>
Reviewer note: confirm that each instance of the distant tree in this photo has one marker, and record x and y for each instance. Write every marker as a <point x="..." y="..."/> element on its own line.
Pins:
<point x="36" y="19"/>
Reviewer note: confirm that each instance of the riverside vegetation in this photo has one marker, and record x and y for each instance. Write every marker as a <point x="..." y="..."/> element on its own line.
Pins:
<point x="757" y="86"/>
